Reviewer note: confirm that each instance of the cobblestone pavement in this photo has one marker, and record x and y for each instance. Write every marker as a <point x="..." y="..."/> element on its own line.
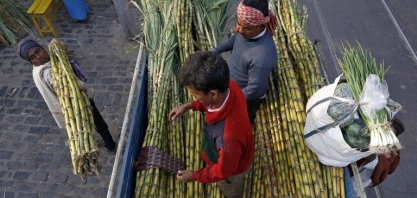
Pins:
<point x="34" y="160"/>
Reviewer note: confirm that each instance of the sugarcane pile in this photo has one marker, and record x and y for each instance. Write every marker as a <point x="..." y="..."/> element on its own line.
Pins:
<point x="77" y="111"/>
<point x="283" y="165"/>
<point x="288" y="167"/>
<point x="14" y="22"/>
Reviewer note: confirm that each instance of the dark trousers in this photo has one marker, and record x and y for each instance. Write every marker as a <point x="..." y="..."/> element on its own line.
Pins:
<point x="102" y="128"/>
<point x="253" y="107"/>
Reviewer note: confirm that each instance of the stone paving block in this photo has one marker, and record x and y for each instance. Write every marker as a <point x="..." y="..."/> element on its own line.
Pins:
<point x="9" y="194"/>
<point x="10" y="102"/>
<point x="14" y="165"/>
<point x="5" y="175"/>
<point x="48" y="120"/>
<point x="58" y="149"/>
<point x="41" y="105"/>
<point x="35" y="147"/>
<point x="38" y="97"/>
<point x="29" y="120"/>
<point x="14" y="119"/>
<point x="61" y="159"/>
<point x="20" y="155"/>
<point x="21" y="128"/>
<point x="75" y="179"/>
<point x="28" y="195"/>
<point x="50" y="195"/>
<point x="46" y="187"/>
<point x="48" y="167"/>
<point x="117" y="99"/>
<point x="66" y="168"/>
<point x="13" y="137"/>
<point x="44" y="157"/>
<point x="22" y="92"/>
<point x="107" y="100"/>
<point x="101" y="192"/>
<point x="25" y="103"/>
<point x="27" y="82"/>
<point x="39" y="176"/>
<point x="37" y="130"/>
<point x="56" y="130"/>
<point x="3" y="90"/>
<point x="57" y="177"/>
<point x="6" y="154"/>
<point x="32" y="138"/>
<point x="24" y="186"/>
<point x="32" y="112"/>
<point x="63" y="189"/>
<point x="6" y="127"/>
<point x="115" y="87"/>
<point x="7" y="184"/>
<point x="14" y="111"/>
<point x="29" y="166"/>
<point x="108" y="81"/>
<point x="91" y="180"/>
<point x="84" y="190"/>
<point x="112" y="109"/>
<point x="19" y="175"/>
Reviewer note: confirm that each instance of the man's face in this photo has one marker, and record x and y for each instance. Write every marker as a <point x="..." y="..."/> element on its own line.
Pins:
<point x="38" y="56"/>
<point x="248" y="31"/>
<point x="202" y="97"/>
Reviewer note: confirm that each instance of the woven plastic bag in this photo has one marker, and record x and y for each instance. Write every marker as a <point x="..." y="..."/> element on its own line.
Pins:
<point x="322" y="133"/>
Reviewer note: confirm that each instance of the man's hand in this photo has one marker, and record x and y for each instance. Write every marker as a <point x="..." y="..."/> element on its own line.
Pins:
<point x="177" y="111"/>
<point x="83" y="88"/>
<point x="185" y="175"/>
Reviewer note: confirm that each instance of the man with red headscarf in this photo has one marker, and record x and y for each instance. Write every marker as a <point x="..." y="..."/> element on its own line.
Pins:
<point x="254" y="54"/>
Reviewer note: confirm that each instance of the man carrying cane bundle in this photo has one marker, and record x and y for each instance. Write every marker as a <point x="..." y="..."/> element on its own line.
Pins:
<point x="31" y="51"/>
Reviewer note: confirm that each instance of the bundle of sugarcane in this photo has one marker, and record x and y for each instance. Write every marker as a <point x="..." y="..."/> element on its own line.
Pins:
<point x="77" y="111"/>
<point x="305" y="64"/>
<point x="283" y="166"/>
<point x="210" y="22"/>
<point x="160" y="39"/>
<point x="369" y="89"/>
<point x="168" y="34"/>
<point x="294" y="170"/>
<point x="14" y="21"/>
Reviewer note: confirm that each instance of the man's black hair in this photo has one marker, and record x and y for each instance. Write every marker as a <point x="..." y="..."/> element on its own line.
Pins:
<point x="261" y="5"/>
<point x="205" y="71"/>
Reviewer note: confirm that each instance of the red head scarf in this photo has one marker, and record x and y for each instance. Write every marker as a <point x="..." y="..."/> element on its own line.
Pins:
<point x="254" y="17"/>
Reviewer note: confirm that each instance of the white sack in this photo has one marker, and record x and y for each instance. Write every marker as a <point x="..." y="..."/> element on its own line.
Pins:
<point x="329" y="146"/>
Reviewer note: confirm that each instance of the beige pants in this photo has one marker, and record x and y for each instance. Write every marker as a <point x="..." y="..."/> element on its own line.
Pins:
<point x="232" y="187"/>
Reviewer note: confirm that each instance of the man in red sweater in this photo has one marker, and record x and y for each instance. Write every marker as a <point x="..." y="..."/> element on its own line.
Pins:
<point x="228" y="142"/>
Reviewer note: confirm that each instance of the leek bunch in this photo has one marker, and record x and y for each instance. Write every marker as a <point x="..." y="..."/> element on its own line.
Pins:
<point x="360" y="70"/>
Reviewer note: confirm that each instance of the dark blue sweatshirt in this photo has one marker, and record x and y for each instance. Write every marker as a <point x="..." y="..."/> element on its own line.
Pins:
<point x="250" y="63"/>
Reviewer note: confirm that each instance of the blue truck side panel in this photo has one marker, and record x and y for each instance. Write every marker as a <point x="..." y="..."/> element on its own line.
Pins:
<point x="138" y="124"/>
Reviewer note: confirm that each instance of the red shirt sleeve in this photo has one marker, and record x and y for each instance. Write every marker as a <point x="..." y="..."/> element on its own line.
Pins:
<point x="198" y="106"/>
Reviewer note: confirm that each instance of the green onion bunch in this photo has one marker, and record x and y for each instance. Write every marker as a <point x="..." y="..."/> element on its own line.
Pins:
<point x="359" y="67"/>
